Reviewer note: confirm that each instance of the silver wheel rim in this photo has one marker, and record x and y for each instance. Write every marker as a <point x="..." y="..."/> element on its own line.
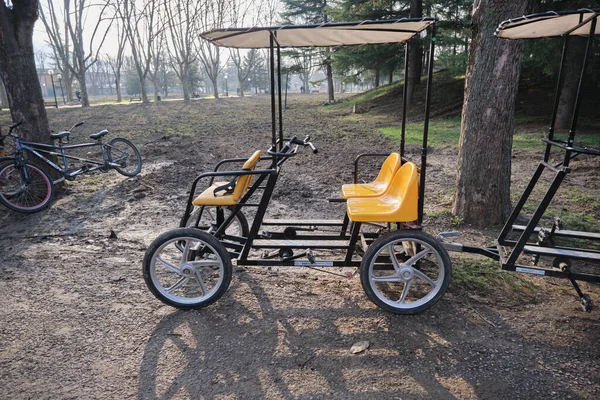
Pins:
<point x="410" y="273"/>
<point x="182" y="280"/>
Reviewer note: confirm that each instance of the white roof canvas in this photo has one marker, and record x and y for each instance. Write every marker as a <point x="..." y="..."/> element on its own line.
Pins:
<point x="325" y="35"/>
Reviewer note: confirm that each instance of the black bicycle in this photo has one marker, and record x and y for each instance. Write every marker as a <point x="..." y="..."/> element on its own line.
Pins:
<point x="26" y="187"/>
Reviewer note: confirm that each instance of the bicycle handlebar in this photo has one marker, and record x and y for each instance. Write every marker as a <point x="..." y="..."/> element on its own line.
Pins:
<point x="77" y="125"/>
<point x="294" y="140"/>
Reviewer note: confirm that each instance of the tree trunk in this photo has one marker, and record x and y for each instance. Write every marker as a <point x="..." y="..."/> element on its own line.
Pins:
<point x="214" y="87"/>
<point x="185" y="82"/>
<point x="18" y="72"/>
<point x="85" y="100"/>
<point x="68" y="82"/>
<point x="572" y="71"/>
<point x="482" y="193"/>
<point x="415" y="50"/>
<point x="241" y="87"/>
<point x="156" y="90"/>
<point x="3" y="98"/>
<point x="143" y="92"/>
<point x="118" y="88"/>
<point x="377" y="76"/>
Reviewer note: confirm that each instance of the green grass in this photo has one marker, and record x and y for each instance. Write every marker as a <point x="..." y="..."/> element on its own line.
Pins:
<point x="486" y="275"/>
<point x="442" y="132"/>
<point x="446" y="132"/>
<point x="367" y="96"/>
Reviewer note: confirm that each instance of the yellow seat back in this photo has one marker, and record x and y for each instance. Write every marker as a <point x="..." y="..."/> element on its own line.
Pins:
<point x="388" y="169"/>
<point x="405" y="186"/>
<point x="244" y="181"/>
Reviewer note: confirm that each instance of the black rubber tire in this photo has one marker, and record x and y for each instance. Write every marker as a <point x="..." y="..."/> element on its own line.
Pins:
<point x="8" y="170"/>
<point x="241" y="218"/>
<point x="196" y="234"/>
<point x="386" y="240"/>
<point x="134" y="152"/>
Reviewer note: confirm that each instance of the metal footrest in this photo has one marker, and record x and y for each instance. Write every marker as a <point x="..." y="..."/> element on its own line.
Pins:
<point x="303" y="222"/>
<point x="300" y="244"/>
<point x="563" y="233"/>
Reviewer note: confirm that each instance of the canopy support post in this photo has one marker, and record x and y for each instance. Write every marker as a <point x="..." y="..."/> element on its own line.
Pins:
<point x="404" y="98"/>
<point x="559" y="85"/>
<point x="279" y="94"/>
<point x="586" y="59"/>
<point x="272" y="65"/>
<point x="426" y="126"/>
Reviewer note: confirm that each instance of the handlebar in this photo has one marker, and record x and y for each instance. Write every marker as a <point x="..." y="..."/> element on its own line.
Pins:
<point x="285" y="150"/>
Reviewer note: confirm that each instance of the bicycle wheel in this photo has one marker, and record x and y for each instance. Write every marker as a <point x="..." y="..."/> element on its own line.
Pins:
<point x="187" y="268"/>
<point x="405" y="272"/>
<point x="126" y="155"/>
<point x="27" y="189"/>
<point x="209" y="221"/>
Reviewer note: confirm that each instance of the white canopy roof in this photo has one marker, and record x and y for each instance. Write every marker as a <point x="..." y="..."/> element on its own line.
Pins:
<point x="550" y="24"/>
<point x="324" y="35"/>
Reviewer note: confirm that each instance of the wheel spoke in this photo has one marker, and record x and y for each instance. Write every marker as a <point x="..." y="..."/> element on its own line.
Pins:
<point x="424" y="277"/>
<point x="186" y="251"/>
<point x="417" y="257"/>
<point x="386" y="279"/>
<point x="405" y="291"/>
<point x="169" y="265"/>
<point x="200" y="282"/>
<point x="179" y="284"/>
<point x="204" y="263"/>
<point x="394" y="259"/>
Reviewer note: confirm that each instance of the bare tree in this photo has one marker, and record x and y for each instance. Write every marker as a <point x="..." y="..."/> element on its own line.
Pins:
<point x="142" y="27"/>
<point x="116" y="61"/>
<point x="60" y="43"/>
<point x="75" y="16"/>
<point x="183" y="19"/>
<point x="244" y="13"/>
<point x="156" y="55"/>
<point x="212" y="17"/>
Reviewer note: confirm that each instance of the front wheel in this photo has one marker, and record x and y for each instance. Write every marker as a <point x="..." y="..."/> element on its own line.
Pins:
<point x="25" y="189"/>
<point x="405" y="272"/>
<point x="125" y="155"/>
<point x="187" y="268"/>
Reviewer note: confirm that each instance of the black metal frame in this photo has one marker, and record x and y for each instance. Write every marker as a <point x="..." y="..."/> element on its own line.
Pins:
<point x="346" y="235"/>
<point x="510" y="251"/>
<point x="37" y="148"/>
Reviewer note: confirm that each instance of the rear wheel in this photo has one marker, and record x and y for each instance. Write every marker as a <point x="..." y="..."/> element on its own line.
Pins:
<point x="405" y="272"/>
<point x="26" y="189"/>
<point x="127" y="157"/>
<point x="187" y="268"/>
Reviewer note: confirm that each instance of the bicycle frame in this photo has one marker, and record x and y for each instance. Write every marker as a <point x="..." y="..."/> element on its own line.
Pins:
<point x="38" y="149"/>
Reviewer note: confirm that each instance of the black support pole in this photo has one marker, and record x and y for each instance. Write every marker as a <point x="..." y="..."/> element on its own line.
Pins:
<point x="557" y="97"/>
<point x="426" y="126"/>
<point x="586" y="58"/>
<point x="404" y="98"/>
<point x="272" y="62"/>
<point x="279" y="94"/>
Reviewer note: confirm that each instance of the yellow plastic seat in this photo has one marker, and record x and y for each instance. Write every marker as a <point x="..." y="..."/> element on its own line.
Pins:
<point x="380" y="185"/>
<point x="223" y="198"/>
<point x="399" y="204"/>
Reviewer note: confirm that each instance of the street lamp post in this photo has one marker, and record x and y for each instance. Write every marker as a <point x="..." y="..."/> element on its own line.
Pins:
<point x="62" y="92"/>
<point x="226" y="88"/>
<point x="51" y="72"/>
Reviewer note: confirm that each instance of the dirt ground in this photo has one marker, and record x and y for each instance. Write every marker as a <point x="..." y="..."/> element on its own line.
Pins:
<point x="77" y="321"/>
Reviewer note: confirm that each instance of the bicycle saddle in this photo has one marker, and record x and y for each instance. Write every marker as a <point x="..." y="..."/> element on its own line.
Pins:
<point x="59" y="135"/>
<point x="99" y="134"/>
